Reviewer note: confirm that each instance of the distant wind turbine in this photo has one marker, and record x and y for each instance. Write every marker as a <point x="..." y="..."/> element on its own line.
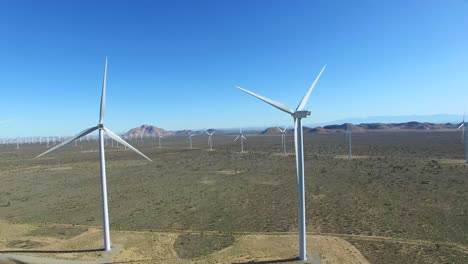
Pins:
<point x="462" y="126"/>
<point x="297" y="116"/>
<point x="210" y="141"/>
<point x="242" y="138"/>
<point x="349" y="133"/>
<point x="464" y="137"/>
<point x="283" y="138"/>
<point x="190" y="135"/>
<point x="159" y="137"/>
<point x="102" y="129"/>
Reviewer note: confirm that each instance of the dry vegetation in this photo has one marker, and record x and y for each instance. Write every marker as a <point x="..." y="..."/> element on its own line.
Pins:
<point x="402" y="199"/>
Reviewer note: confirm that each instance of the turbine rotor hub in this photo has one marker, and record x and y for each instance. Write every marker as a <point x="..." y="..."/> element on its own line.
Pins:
<point x="100" y="126"/>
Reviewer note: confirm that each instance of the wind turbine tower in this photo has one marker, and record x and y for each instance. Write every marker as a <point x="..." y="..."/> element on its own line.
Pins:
<point x="297" y="115"/>
<point x="464" y="137"/>
<point x="349" y="133"/>
<point x="242" y="138"/>
<point x="283" y="138"/>
<point x="159" y="138"/>
<point x="462" y="126"/>
<point x="190" y="135"/>
<point x="101" y="129"/>
<point x="210" y="141"/>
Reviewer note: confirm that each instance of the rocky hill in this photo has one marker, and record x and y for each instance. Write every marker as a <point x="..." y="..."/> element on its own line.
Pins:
<point x="272" y="131"/>
<point x="147" y="131"/>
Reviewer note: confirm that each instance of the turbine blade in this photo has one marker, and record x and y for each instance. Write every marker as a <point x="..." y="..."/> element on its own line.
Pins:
<point x="103" y="95"/>
<point x="462" y="125"/>
<point x="304" y="100"/>
<point x="278" y="105"/>
<point x="77" y="136"/>
<point x="236" y="138"/>
<point x="243" y="137"/>
<point x="123" y="142"/>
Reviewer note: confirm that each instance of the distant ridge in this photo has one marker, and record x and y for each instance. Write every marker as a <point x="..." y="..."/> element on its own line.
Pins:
<point x="364" y="127"/>
<point x="271" y="131"/>
<point x="434" y="119"/>
<point x="147" y="131"/>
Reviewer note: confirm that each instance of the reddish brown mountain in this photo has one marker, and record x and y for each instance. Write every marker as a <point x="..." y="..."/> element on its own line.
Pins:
<point x="147" y="131"/>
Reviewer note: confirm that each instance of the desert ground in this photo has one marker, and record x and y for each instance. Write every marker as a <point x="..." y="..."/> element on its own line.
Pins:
<point x="402" y="198"/>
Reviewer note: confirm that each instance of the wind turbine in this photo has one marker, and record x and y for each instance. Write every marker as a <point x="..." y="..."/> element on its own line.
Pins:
<point x="462" y="126"/>
<point x="283" y="138"/>
<point x="297" y="116"/>
<point x="159" y="137"/>
<point x="464" y="137"/>
<point x="242" y="138"/>
<point x="210" y="142"/>
<point x="349" y="133"/>
<point x="190" y="135"/>
<point x="102" y="129"/>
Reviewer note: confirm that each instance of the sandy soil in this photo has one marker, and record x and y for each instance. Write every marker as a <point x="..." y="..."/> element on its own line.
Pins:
<point x="17" y="245"/>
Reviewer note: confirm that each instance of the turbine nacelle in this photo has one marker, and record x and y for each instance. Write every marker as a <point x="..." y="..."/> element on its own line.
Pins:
<point x="301" y="114"/>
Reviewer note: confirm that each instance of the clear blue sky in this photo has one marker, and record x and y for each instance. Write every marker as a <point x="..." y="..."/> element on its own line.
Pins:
<point x="175" y="64"/>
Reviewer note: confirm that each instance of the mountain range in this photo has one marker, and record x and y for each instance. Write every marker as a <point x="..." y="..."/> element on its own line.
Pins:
<point x="150" y="131"/>
<point x="436" y="119"/>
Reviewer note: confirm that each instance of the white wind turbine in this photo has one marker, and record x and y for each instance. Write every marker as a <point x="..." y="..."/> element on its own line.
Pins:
<point x="159" y="137"/>
<point x="283" y="138"/>
<point x="349" y="133"/>
<point x="297" y="116"/>
<point x="242" y="138"/>
<point x="190" y="135"/>
<point x="462" y="126"/>
<point x="101" y="128"/>
<point x="464" y="137"/>
<point x="210" y="141"/>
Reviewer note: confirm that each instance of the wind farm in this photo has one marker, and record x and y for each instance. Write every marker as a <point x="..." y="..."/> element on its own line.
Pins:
<point x="259" y="196"/>
<point x="189" y="160"/>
